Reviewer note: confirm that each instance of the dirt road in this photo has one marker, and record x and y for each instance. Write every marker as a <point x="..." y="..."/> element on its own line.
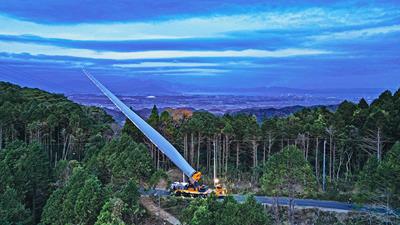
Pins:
<point x="156" y="211"/>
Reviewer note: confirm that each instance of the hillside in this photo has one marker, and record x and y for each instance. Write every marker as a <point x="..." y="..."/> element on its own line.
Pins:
<point x="62" y="163"/>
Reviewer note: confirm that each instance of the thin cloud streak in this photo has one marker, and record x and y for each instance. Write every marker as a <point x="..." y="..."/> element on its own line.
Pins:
<point x="33" y="49"/>
<point x="164" y="64"/>
<point x="355" y="34"/>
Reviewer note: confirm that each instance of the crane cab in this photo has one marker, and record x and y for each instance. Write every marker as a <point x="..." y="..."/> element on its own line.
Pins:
<point x="220" y="191"/>
<point x="189" y="190"/>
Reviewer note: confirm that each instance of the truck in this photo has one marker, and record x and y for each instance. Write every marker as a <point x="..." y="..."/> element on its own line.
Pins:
<point x="189" y="189"/>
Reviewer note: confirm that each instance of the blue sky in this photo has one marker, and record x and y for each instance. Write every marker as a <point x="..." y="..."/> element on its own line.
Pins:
<point x="183" y="46"/>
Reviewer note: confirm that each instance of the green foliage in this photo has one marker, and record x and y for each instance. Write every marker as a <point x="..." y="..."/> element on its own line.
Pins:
<point x="12" y="210"/>
<point x="253" y="213"/>
<point x="156" y="177"/>
<point x="132" y="131"/>
<point x="120" y="160"/>
<point x="380" y="182"/>
<point x="212" y="212"/>
<point x="287" y="173"/>
<point x="49" y="119"/>
<point x="130" y="194"/>
<point x="111" y="213"/>
<point x="26" y="169"/>
<point x="53" y="210"/>
<point x="154" y="118"/>
<point x="68" y="151"/>
<point x="78" y="202"/>
<point x="88" y="201"/>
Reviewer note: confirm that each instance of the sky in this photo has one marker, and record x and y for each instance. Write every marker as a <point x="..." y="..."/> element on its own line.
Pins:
<point x="192" y="46"/>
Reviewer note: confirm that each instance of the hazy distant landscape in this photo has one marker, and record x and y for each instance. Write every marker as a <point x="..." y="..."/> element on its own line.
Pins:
<point x="277" y="104"/>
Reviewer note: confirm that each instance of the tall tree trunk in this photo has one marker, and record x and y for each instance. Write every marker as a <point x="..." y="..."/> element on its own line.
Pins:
<point x="219" y="153"/>
<point x="316" y="158"/>
<point x="198" y="150"/>
<point x="333" y="161"/>
<point x="192" y="149"/>
<point x="158" y="158"/>
<point x="227" y="153"/>
<point x="348" y="164"/>
<point x="215" y="159"/>
<point x="254" y="144"/>
<point x="341" y="158"/>
<point x="222" y="155"/>
<point x="55" y="159"/>
<point x="65" y="147"/>
<point x="185" y="146"/>
<point x="1" y="137"/>
<point x="208" y="154"/>
<point x="330" y="157"/>
<point x="255" y="153"/>
<point x="324" y="168"/>
<point x="269" y="145"/>
<point x="264" y="151"/>
<point x="378" y="145"/>
<point x="307" y="146"/>
<point x="237" y="154"/>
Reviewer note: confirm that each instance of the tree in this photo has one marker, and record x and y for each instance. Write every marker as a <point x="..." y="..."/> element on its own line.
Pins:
<point x="269" y="133"/>
<point x="228" y="132"/>
<point x="132" y="131"/>
<point x="26" y="169"/>
<point x="52" y="212"/>
<point x="252" y="213"/>
<point x="129" y="194"/>
<point x="252" y="134"/>
<point x="287" y="173"/>
<point x="111" y="213"/>
<point x="202" y="216"/>
<point x="229" y="212"/>
<point x="89" y="201"/>
<point x="78" y="202"/>
<point x="120" y="160"/>
<point x="380" y="182"/>
<point x="12" y="210"/>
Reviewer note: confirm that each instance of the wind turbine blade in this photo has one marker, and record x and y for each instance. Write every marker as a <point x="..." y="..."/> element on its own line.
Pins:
<point x="156" y="138"/>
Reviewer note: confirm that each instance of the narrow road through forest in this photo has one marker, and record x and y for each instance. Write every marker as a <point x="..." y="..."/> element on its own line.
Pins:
<point x="312" y="203"/>
<point x="157" y="211"/>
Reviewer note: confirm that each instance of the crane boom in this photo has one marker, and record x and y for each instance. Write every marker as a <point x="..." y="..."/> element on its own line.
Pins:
<point x="156" y="138"/>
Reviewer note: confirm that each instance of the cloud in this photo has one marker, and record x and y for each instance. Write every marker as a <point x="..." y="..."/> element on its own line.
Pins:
<point x="186" y="70"/>
<point x="356" y="34"/>
<point x="35" y="49"/>
<point x="164" y="64"/>
<point x="201" y="26"/>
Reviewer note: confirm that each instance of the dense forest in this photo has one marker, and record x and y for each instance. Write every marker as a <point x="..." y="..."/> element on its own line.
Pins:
<point x="354" y="135"/>
<point x="63" y="163"/>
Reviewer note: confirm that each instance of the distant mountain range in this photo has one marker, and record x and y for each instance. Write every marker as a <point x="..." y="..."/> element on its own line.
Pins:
<point x="260" y="113"/>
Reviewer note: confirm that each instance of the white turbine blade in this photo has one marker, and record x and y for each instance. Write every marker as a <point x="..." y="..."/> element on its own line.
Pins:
<point x="156" y="138"/>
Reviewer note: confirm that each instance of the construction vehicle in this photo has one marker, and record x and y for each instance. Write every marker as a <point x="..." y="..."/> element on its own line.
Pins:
<point x="190" y="189"/>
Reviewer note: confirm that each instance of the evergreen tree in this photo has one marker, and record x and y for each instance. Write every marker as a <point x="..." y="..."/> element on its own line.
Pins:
<point x="111" y="213"/>
<point x="12" y="210"/>
<point x="89" y="201"/>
